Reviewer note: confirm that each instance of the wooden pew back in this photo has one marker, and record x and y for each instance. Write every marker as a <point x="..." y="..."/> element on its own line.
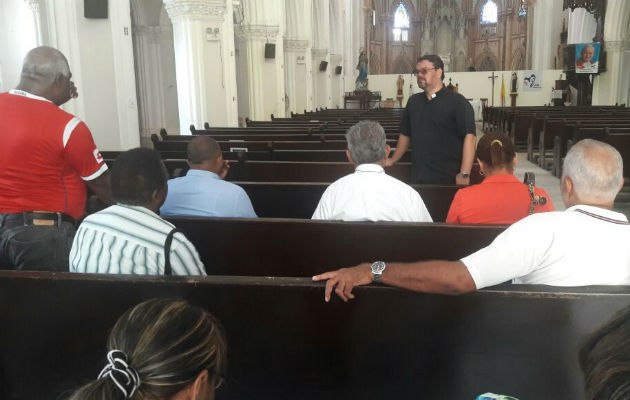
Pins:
<point x="285" y="342"/>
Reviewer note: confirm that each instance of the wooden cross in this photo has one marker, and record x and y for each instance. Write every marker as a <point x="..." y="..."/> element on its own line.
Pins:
<point x="493" y="77"/>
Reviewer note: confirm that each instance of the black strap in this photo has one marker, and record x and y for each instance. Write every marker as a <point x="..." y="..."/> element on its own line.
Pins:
<point x="167" y="251"/>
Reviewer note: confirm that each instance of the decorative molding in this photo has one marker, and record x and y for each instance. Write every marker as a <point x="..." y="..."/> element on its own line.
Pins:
<point x="617" y="45"/>
<point x="296" y="45"/>
<point x="33" y="5"/>
<point x="177" y="9"/>
<point x="258" y="32"/>
<point x="595" y="7"/>
<point x="319" y="52"/>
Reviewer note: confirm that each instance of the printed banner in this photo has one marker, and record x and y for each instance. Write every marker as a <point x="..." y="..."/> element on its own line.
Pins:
<point x="587" y="58"/>
<point x="532" y="80"/>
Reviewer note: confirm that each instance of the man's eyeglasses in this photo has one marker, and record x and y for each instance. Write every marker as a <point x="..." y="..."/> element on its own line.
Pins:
<point x="424" y="71"/>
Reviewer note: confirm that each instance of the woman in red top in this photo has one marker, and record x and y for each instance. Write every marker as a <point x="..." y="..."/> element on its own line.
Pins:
<point x="501" y="198"/>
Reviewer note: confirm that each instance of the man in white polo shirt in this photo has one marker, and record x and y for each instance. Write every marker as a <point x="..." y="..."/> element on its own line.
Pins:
<point x="587" y="244"/>
<point x="369" y="194"/>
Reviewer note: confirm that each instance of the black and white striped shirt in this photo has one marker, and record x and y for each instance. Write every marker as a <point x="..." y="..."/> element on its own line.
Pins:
<point x="124" y="239"/>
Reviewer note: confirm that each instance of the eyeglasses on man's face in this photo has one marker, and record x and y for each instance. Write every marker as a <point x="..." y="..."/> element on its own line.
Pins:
<point x="424" y="71"/>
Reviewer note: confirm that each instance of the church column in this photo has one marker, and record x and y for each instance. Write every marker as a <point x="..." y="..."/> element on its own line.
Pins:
<point x="546" y="32"/>
<point x="63" y="35"/>
<point x="265" y="87"/>
<point x="322" y="85"/>
<point x="612" y="86"/>
<point x="298" y="72"/>
<point x="263" y="23"/>
<point x="203" y="36"/>
<point x="37" y="24"/>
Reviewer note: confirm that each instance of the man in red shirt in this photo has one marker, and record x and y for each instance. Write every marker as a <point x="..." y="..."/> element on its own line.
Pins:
<point x="46" y="155"/>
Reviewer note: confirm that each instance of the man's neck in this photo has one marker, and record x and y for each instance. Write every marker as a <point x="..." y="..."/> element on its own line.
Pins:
<point x="430" y="92"/>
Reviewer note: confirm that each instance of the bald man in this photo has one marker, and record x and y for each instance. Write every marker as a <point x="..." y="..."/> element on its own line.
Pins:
<point x="203" y="192"/>
<point x="587" y="244"/>
<point x="47" y="156"/>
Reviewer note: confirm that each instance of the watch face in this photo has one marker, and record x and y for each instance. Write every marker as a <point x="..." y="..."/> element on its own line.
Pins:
<point x="378" y="267"/>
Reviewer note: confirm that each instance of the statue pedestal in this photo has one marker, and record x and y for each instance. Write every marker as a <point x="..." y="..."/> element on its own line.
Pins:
<point x="513" y="99"/>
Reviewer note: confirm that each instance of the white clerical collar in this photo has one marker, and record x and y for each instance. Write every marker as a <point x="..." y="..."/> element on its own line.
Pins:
<point x="18" y="92"/>
<point x="369" y="168"/>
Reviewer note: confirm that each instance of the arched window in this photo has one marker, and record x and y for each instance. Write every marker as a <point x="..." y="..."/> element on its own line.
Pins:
<point x="401" y="24"/>
<point x="489" y="13"/>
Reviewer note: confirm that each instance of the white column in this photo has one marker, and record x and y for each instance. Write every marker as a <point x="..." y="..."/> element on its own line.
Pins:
<point x="612" y="86"/>
<point x="64" y="35"/>
<point x="37" y="23"/>
<point x="582" y="26"/>
<point x="297" y="74"/>
<point x="125" y="77"/>
<point x="203" y="35"/>
<point x="546" y="33"/>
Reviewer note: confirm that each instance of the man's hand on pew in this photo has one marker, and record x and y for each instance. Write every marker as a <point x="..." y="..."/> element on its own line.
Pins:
<point x="344" y="280"/>
<point x="437" y="276"/>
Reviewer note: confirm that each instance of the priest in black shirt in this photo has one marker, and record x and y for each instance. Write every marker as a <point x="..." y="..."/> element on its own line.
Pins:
<point x="440" y="126"/>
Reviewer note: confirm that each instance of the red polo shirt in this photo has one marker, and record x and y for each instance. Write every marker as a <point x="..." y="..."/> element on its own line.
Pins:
<point x="46" y="154"/>
<point x="499" y="199"/>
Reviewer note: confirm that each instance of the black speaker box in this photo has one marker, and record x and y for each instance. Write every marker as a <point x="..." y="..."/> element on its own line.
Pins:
<point x="338" y="70"/>
<point x="270" y="50"/>
<point x="323" y="65"/>
<point x="95" y="8"/>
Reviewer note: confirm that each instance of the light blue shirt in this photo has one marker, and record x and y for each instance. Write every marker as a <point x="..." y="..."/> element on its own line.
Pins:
<point x="204" y="194"/>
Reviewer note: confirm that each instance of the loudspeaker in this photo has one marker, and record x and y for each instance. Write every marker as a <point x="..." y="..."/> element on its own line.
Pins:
<point x="323" y="65"/>
<point x="270" y="50"/>
<point x="95" y="8"/>
<point x="338" y="70"/>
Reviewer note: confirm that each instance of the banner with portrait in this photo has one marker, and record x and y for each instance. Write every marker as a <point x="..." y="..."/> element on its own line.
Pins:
<point x="587" y="58"/>
<point x="532" y="80"/>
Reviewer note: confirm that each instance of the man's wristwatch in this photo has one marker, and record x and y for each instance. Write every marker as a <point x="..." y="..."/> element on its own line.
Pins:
<point x="377" y="270"/>
<point x="464" y="175"/>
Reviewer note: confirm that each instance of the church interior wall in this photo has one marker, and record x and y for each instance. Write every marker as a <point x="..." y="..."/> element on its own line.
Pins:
<point x="16" y="39"/>
<point x="473" y="85"/>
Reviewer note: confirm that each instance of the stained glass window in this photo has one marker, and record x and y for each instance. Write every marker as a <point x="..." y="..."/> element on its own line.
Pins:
<point x="489" y="13"/>
<point x="401" y="24"/>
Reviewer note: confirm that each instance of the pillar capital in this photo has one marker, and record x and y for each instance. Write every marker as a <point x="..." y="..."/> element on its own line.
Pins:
<point x="617" y="45"/>
<point x="319" y="52"/>
<point x="296" y="45"/>
<point x="258" y="32"/>
<point x="195" y="9"/>
<point x="33" y="4"/>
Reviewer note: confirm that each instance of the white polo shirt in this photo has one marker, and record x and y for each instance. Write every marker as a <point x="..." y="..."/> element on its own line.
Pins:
<point x="369" y="194"/>
<point x="583" y="245"/>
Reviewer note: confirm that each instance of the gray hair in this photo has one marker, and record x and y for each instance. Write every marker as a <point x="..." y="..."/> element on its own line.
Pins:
<point x="595" y="168"/>
<point x="45" y="64"/>
<point x="366" y="142"/>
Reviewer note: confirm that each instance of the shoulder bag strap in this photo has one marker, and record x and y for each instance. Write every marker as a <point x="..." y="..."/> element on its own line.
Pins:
<point x="167" y="251"/>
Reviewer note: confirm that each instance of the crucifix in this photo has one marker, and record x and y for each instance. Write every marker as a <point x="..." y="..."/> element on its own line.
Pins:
<point x="493" y="77"/>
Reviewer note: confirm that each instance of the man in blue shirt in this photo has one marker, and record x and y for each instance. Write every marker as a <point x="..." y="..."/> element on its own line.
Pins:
<point x="203" y="192"/>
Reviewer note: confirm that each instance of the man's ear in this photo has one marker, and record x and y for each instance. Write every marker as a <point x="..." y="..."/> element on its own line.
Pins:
<point x="388" y="150"/>
<point x="349" y="156"/>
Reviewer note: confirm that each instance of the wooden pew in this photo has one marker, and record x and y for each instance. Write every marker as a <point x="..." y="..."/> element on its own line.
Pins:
<point x="293" y="247"/>
<point x="289" y="171"/>
<point x="285" y="342"/>
<point x="299" y="199"/>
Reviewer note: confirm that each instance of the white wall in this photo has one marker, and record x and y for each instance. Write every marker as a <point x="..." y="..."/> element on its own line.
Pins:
<point x="473" y="85"/>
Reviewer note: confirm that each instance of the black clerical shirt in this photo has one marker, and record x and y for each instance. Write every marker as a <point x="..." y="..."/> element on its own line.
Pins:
<point x="437" y="128"/>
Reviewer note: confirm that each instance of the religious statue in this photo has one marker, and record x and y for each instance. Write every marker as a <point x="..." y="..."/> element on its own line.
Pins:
<point x="399" y="93"/>
<point x="514" y="83"/>
<point x="361" y="82"/>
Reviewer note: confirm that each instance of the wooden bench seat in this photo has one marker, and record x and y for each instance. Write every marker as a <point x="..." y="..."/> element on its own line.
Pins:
<point x="285" y="342"/>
